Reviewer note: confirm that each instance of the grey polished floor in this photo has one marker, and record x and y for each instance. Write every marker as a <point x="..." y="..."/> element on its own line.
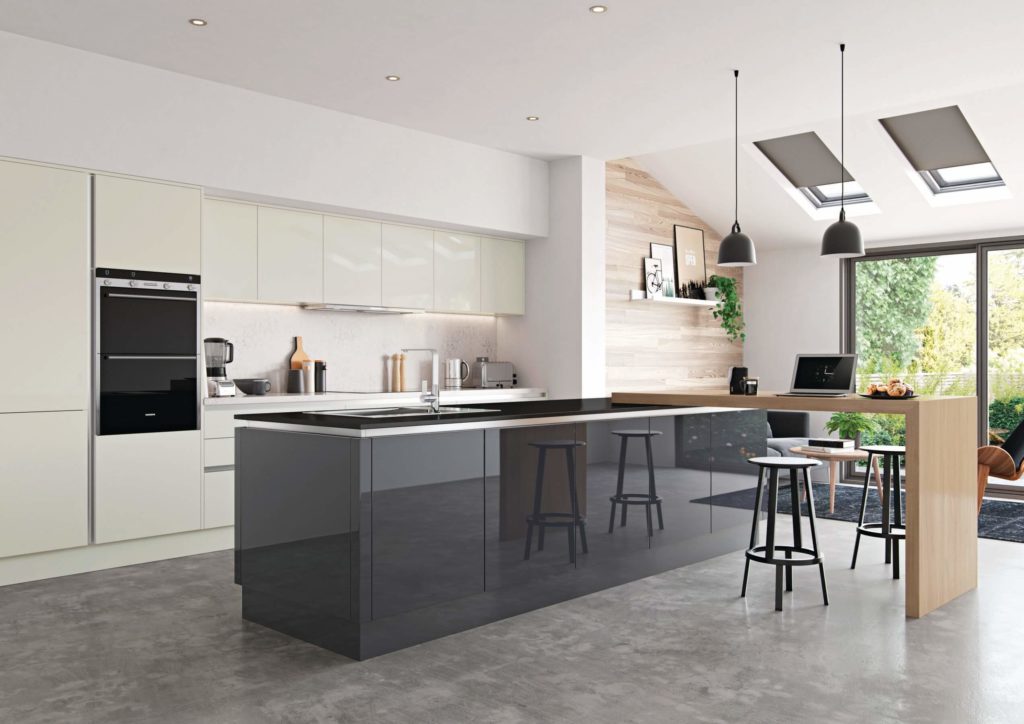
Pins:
<point x="164" y="642"/>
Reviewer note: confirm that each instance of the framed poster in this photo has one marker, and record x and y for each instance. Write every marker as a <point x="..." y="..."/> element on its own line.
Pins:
<point x="667" y="255"/>
<point x="690" y="257"/>
<point x="653" y="281"/>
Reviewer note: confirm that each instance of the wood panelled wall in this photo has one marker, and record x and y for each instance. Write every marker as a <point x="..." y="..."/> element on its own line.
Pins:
<point x="657" y="346"/>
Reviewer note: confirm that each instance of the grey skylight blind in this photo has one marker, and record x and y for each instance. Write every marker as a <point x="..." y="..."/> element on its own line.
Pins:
<point x="939" y="138"/>
<point x="804" y="159"/>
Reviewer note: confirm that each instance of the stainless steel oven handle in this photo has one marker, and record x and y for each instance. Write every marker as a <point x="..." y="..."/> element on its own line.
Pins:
<point x="149" y="356"/>
<point x="152" y="296"/>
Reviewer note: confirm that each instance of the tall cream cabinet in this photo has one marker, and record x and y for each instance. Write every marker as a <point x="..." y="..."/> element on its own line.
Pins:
<point x="44" y="288"/>
<point x="456" y="272"/>
<point x="352" y="261"/>
<point x="291" y="264"/>
<point x="408" y="261"/>
<point x="502" y="276"/>
<point x="229" y="251"/>
<point x="146" y="225"/>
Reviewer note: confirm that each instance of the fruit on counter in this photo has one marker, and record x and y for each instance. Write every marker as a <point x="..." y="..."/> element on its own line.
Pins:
<point x="895" y="387"/>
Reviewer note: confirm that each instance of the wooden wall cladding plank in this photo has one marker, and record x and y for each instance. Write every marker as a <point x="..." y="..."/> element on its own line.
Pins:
<point x="655" y="346"/>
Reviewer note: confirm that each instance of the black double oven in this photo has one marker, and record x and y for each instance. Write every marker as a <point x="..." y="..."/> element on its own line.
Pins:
<point x="147" y="369"/>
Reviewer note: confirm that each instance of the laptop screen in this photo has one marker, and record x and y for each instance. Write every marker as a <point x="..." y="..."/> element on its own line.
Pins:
<point x="824" y="373"/>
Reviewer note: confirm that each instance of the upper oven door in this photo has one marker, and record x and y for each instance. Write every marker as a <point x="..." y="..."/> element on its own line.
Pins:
<point x="147" y="320"/>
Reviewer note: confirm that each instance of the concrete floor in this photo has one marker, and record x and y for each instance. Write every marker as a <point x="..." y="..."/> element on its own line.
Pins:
<point x="164" y="642"/>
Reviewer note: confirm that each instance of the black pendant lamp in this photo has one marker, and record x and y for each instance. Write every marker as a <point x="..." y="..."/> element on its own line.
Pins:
<point x="842" y="239"/>
<point x="736" y="249"/>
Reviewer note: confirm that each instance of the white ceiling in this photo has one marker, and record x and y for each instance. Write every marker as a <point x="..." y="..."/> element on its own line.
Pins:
<point x="646" y="76"/>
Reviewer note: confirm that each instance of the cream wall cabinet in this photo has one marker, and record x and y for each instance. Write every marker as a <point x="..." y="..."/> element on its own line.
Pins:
<point x="229" y="251"/>
<point x="44" y="288"/>
<point x="291" y="256"/>
<point x="44" y="486"/>
<point x="147" y="485"/>
<point x="352" y="261"/>
<point x="408" y="262"/>
<point x="502" y="276"/>
<point x="147" y="225"/>
<point x="456" y="272"/>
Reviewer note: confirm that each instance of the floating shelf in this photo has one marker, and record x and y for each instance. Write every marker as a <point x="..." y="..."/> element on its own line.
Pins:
<point x="639" y="295"/>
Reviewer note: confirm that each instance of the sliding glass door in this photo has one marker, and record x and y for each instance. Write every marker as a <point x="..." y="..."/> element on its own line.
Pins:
<point x="1004" y="326"/>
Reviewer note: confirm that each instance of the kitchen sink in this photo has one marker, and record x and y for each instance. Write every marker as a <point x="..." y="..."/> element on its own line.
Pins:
<point x="387" y="412"/>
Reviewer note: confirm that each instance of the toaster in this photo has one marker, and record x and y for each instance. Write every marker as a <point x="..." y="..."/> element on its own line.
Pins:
<point x="497" y="374"/>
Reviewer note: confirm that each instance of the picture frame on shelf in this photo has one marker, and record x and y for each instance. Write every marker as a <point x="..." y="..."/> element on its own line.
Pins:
<point x="653" y="280"/>
<point x="667" y="254"/>
<point x="690" y="257"/>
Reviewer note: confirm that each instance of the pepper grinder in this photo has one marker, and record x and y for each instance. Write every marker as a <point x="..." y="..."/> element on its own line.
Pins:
<point x="401" y="372"/>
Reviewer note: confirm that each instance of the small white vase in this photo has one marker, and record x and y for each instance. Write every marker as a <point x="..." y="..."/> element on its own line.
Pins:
<point x="711" y="294"/>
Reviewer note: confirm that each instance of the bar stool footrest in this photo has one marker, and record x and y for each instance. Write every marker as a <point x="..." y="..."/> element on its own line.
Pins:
<point x="636" y="499"/>
<point x="563" y="520"/>
<point x="874" y="530"/>
<point x="759" y="554"/>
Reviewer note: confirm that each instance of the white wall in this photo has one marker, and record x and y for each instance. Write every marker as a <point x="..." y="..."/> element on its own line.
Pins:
<point x="62" y="105"/>
<point x="560" y="342"/>
<point x="791" y="306"/>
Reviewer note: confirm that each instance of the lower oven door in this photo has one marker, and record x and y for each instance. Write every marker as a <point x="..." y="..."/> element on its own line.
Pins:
<point x="147" y="394"/>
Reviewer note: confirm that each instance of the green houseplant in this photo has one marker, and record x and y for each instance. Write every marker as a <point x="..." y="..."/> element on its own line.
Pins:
<point x="728" y="310"/>
<point x="850" y="425"/>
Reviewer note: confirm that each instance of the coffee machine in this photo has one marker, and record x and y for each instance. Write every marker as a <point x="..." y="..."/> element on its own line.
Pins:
<point x="219" y="352"/>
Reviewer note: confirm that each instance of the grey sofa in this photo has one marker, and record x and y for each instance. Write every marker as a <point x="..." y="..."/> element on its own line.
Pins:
<point x="786" y="430"/>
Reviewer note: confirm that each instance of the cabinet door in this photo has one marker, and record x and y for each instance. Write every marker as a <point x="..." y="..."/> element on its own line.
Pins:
<point x="352" y="266"/>
<point x="43" y="482"/>
<point x="456" y="272"/>
<point x="147" y="225"/>
<point x="229" y="251"/>
<point x="147" y="484"/>
<point x="502" y="276"/>
<point x="219" y="499"/>
<point x="44" y="288"/>
<point x="291" y="256"/>
<point x="408" y="259"/>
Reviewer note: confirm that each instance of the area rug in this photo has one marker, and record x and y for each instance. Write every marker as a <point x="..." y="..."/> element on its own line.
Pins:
<point x="999" y="519"/>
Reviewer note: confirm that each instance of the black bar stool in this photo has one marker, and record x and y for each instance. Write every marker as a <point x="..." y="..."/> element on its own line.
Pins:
<point x="648" y="499"/>
<point x="891" y="530"/>
<point x="767" y="553"/>
<point x="571" y="520"/>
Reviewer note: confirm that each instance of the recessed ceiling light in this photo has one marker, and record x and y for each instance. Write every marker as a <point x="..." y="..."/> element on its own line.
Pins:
<point x="598" y="9"/>
<point x="533" y="118"/>
<point x="392" y="77"/>
<point x="198" y="22"/>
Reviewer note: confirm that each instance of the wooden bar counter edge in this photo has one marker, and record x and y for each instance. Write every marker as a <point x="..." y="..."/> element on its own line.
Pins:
<point x="941" y="479"/>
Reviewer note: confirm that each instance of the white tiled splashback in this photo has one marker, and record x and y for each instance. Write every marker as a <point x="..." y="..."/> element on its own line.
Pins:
<point x="353" y="344"/>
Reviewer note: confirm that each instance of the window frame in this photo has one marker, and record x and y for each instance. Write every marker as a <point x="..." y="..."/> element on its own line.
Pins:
<point x="938" y="185"/>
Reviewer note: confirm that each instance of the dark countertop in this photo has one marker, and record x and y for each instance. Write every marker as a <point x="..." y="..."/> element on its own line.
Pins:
<point x="491" y="412"/>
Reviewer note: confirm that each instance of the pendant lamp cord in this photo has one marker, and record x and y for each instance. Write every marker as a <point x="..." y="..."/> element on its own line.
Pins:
<point x="842" y="129"/>
<point x="736" y="151"/>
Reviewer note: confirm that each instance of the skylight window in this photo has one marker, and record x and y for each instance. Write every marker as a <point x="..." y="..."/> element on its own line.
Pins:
<point x="941" y="145"/>
<point x="806" y="162"/>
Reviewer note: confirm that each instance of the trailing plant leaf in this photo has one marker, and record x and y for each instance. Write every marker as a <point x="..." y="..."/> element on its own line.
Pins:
<point x="728" y="310"/>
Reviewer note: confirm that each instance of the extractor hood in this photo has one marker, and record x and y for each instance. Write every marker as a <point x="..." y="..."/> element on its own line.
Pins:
<point x="360" y="308"/>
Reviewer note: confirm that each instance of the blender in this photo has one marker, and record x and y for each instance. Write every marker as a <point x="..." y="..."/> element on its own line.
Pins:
<point x="219" y="352"/>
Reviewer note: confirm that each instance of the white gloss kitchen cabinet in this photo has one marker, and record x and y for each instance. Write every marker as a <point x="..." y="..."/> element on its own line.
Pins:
<point x="290" y="256"/>
<point x="146" y="225"/>
<point x="352" y="261"/>
<point x="408" y="267"/>
<point x="456" y="272"/>
<point x="502" y="276"/>
<point x="229" y="251"/>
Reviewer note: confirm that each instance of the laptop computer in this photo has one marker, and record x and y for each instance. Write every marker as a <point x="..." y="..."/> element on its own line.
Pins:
<point x="822" y="375"/>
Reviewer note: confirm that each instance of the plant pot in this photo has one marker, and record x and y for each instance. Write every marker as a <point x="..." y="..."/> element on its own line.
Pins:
<point x="711" y="294"/>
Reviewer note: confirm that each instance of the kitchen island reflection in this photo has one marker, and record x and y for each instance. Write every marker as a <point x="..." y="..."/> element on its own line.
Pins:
<point x="366" y="535"/>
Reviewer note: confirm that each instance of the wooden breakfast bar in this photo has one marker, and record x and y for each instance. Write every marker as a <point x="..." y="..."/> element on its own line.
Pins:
<point x="940" y="480"/>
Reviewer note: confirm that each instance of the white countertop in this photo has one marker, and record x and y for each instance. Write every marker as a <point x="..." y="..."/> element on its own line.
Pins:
<point x="372" y="399"/>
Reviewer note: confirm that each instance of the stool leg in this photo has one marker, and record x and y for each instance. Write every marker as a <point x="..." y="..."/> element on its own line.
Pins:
<point x="811" y="517"/>
<point x="538" y="488"/>
<point x="898" y="505"/>
<point x="622" y="474"/>
<point x="618" y="487"/>
<point x="864" y="503"/>
<point x="652" y="491"/>
<point x="773" y="500"/>
<point x="886" y="494"/>
<point x="794" y="495"/>
<point x="579" y="521"/>
<point x="573" y="511"/>
<point x="753" y="527"/>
